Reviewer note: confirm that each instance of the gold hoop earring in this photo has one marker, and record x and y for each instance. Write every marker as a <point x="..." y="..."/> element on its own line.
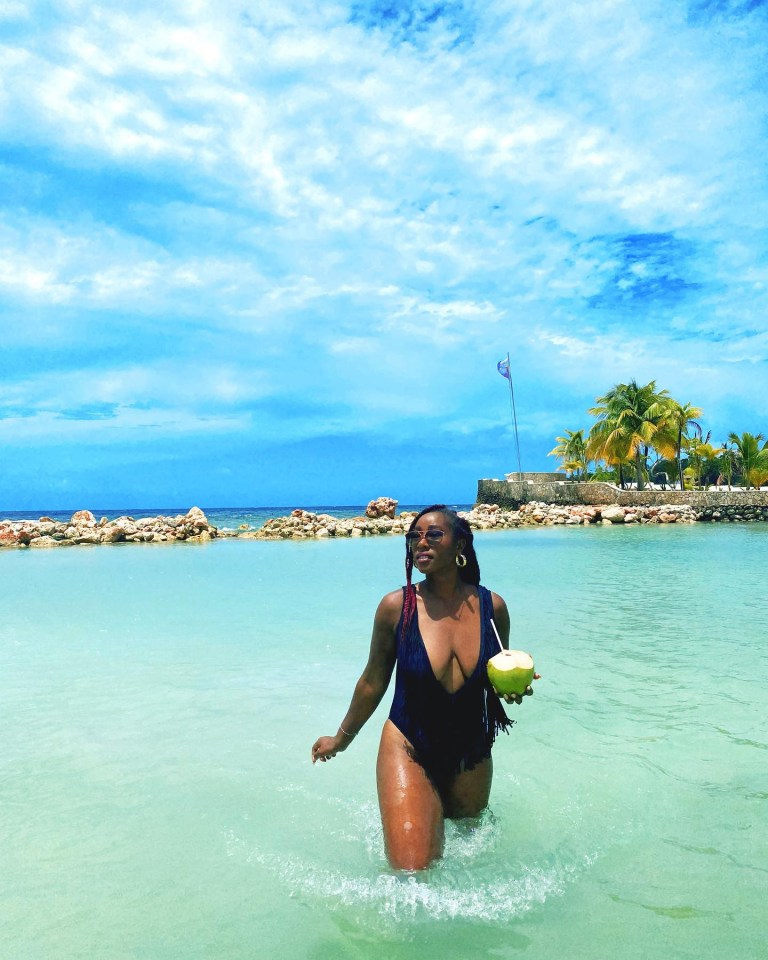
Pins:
<point x="461" y="560"/>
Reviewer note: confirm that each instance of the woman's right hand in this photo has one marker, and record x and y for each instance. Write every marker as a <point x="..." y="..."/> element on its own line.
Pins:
<point x="518" y="697"/>
<point x="326" y="748"/>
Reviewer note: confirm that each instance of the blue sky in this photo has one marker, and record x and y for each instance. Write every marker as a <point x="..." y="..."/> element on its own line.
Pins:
<point x="270" y="253"/>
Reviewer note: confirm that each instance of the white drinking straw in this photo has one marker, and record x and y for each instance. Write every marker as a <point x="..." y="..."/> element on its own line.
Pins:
<point x="501" y="645"/>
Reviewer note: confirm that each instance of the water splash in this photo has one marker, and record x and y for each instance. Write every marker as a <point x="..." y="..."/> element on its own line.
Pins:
<point x="469" y="883"/>
<point x="432" y="896"/>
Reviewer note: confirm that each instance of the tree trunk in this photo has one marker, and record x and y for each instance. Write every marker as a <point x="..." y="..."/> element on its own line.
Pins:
<point x="639" y="471"/>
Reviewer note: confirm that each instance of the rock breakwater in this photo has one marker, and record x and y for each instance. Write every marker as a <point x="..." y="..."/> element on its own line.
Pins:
<point x="487" y="516"/>
<point x="84" y="529"/>
<point x="303" y="524"/>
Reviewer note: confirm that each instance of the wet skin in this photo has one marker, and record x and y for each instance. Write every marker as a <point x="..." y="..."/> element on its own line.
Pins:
<point x="413" y="813"/>
<point x="412" y="810"/>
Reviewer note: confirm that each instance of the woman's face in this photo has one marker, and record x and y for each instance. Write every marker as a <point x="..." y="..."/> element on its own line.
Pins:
<point x="431" y="554"/>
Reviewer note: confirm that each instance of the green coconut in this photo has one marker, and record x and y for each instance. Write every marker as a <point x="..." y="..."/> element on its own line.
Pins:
<point x="510" y="671"/>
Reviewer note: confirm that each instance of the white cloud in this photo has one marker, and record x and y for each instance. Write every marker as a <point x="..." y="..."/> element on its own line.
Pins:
<point x="282" y="186"/>
<point x="193" y="386"/>
<point x="443" y="323"/>
<point x="126" y="426"/>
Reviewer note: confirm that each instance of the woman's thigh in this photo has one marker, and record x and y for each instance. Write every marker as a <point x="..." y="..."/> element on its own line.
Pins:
<point x="468" y="793"/>
<point x="411" y="809"/>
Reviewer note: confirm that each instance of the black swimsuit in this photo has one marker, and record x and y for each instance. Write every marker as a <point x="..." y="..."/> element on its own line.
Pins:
<point x="449" y="732"/>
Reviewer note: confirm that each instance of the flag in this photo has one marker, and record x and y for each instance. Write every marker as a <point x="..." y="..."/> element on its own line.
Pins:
<point x="503" y="367"/>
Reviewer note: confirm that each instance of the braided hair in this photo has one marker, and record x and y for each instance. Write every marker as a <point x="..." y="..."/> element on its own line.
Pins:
<point x="470" y="573"/>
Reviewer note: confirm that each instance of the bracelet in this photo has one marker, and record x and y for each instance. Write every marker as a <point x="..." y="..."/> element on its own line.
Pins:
<point x="350" y="735"/>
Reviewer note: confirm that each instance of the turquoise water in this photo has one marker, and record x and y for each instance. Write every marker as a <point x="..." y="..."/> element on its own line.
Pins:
<point x="158" y="704"/>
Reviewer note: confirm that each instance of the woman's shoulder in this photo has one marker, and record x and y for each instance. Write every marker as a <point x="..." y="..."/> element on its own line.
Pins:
<point x="498" y="601"/>
<point x="391" y="606"/>
<point x="499" y="611"/>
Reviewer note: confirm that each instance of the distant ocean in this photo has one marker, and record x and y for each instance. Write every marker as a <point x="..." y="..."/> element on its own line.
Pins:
<point x="225" y="518"/>
<point x="158" y="705"/>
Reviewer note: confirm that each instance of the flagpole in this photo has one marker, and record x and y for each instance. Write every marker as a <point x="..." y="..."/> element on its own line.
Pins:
<point x="514" y="419"/>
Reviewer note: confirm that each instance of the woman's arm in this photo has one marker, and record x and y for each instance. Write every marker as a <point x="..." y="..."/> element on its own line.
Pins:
<point x="373" y="682"/>
<point x="501" y="619"/>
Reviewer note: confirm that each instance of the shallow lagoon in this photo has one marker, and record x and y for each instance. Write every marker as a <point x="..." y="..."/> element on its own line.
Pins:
<point x="159" y="702"/>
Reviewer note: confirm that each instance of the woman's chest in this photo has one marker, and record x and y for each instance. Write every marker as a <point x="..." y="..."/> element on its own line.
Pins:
<point x="452" y="647"/>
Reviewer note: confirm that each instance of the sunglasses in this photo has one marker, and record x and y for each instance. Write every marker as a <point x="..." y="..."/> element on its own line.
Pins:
<point x="431" y="536"/>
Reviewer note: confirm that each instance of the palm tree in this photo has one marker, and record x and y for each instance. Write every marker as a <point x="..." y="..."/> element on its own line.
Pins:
<point x="630" y="420"/>
<point x="572" y="450"/>
<point x="700" y="454"/>
<point x="681" y="416"/>
<point x="753" y="458"/>
<point x="727" y="463"/>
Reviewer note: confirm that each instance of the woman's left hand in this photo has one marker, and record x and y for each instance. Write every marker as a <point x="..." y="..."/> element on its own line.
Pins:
<point x="326" y="748"/>
<point x="518" y="697"/>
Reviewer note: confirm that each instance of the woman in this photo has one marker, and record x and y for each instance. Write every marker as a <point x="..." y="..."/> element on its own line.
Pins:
<point x="435" y="751"/>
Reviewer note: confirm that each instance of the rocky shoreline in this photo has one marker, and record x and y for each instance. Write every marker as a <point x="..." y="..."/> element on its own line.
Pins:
<point x="380" y="518"/>
<point x="84" y="529"/>
<point x="302" y="524"/>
